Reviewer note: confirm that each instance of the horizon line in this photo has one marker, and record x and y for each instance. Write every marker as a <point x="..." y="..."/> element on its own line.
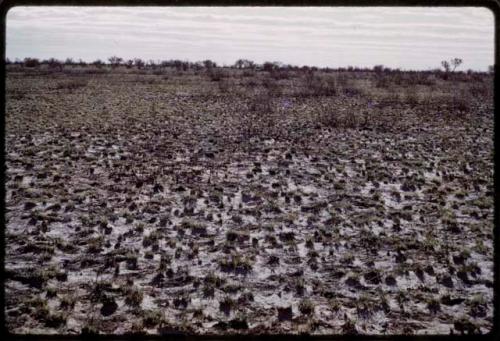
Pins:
<point x="157" y="62"/>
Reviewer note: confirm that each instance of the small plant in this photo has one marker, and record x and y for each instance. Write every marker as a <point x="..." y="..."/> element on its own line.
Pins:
<point x="133" y="297"/>
<point x="55" y="320"/>
<point x="477" y="306"/>
<point x="347" y="259"/>
<point x="480" y="247"/>
<point x="67" y="302"/>
<point x="181" y="302"/>
<point x="208" y="291"/>
<point x="236" y="263"/>
<point x="152" y="318"/>
<point x="226" y="305"/>
<point x="51" y="292"/>
<point x="139" y="228"/>
<point x="109" y="305"/>
<point x="151" y="239"/>
<point x="465" y="326"/>
<point x="131" y="261"/>
<point x="95" y="245"/>
<point x="285" y="313"/>
<point x="364" y="306"/>
<point x="335" y="304"/>
<point x="320" y="86"/>
<point x="310" y="243"/>
<point x="434" y="306"/>
<point x="300" y="286"/>
<point x="39" y="308"/>
<point x="214" y="280"/>
<point x="306" y="307"/>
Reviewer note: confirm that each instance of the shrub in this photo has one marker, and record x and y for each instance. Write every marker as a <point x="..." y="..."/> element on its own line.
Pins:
<point x="55" y="64"/>
<point x="382" y="81"/>
<point x="280" y="74"/>
<point x="237" y="264"/>
<point x="115" y="61"/>
<point x="225" y="86"/>
<point x="479" y="90"/>
<point x="133" y="297"/>
<point x="226" y="305"/>
<point x="152" y="318"/>
<point x="72" y="85"/>
<point x="54" y="320"/>
<point x="273" y="88"/>
<point x="248" y="73"/>
<point x="31" y="62"/>
<point x="320" y="86"/>
<point x="306" y="307"/>
<point x="216" y="74"/>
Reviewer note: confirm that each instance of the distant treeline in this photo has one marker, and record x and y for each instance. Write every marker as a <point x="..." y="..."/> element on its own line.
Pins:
<point x="181" y="65"/>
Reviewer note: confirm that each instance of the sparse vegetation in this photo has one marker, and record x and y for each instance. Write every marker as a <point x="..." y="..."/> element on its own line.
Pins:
<point x="247" y="199"/>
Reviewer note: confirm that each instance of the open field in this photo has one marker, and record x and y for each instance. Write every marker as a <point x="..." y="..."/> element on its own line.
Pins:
<point x="241" y="201"/>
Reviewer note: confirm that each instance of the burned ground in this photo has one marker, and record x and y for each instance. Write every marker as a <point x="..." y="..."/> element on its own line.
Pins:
<point x="248" y="202"/>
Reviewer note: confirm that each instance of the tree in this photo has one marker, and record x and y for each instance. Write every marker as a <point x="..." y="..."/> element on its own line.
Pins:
<point x="31" y="62"/>
<point x="55" y="64"/>
<point x="446" y="66"/>
<point x="247" y="64"/>
<point x="239" y="64"/>
<point x="152" y="64"/>
<point x="129" y="63"/>
<point x="209" y="64"/>
<point x="139" y="63"/>
<point x="456" y="63"/>
<point x="115" y="61"/>
<point x="177" y="64"/>
<point x="69" y="61"/>
<point x="491" y="69"/>
<point x="98" y="63"/>
<point x="268" y="66"/>
<point x="244" y="64"/>
<point x="198" y="66"/>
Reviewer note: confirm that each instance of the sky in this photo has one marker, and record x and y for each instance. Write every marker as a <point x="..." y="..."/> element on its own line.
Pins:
<point x="417" y="38"/>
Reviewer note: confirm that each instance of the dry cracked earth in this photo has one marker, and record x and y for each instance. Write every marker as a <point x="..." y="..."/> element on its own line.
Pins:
<point x="167" y="202"/>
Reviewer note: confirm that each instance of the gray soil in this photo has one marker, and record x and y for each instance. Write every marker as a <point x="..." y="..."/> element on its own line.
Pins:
<point x="139" y="202"/>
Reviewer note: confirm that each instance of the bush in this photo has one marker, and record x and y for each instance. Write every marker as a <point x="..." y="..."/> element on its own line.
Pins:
<point x="31" y="62"/>
<point x="382" y="81"/>
<point x="72" y="85"/>
<point x="320" y="86"/>
<point x="306" y="307"/>
<point x="248" y="73"/>
<point x="217" y="74"/>
<point x="280" y="74"/>
<point x="152" y="318"/>
<point x="411" y="98"/>
<point x="55" y="64"/>
<point x="225" y="86"/>
<point x="273" y="88"/>
<point x="259" y="120"/>
<point x="479" y="90"/>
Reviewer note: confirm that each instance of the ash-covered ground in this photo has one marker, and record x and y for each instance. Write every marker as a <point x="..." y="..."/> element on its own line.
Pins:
<point x="248" y="202"/>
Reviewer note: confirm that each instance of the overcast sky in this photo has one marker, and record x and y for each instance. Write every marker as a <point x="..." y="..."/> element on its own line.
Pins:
<point x="401" y="37"/>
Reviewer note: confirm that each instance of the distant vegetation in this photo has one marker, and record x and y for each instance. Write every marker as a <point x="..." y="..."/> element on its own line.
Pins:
<point x="276" y="68"/>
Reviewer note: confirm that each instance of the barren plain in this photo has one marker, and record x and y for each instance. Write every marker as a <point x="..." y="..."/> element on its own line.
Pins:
<point x="248" y="202"/>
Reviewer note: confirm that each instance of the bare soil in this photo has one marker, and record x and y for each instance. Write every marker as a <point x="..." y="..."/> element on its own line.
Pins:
<point x="167" y="202"/>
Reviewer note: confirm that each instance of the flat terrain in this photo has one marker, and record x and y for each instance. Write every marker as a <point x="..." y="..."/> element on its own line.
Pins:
<point x="251" y="202"/>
